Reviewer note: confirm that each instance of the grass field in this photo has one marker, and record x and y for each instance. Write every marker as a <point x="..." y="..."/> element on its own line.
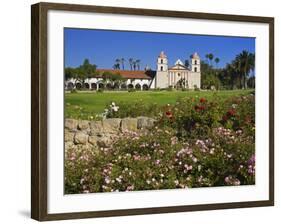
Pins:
<point x="85" y="104"/>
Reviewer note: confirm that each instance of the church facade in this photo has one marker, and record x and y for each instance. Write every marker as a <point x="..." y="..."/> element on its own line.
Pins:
<point x="178" y="75"/>
<point x="163" y="77"/>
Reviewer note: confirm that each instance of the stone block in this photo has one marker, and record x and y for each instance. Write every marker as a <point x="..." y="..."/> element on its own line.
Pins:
<point x="145" y="122"/>
<point x="80" y="138"/>
<point x="83" y="125"/>
<point x="111" y="125"/>
<point x="70" y="124"/>
<point x="129" y="124"/>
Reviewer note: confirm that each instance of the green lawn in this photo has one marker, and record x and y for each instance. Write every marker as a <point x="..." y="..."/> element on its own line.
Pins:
<point x="85" y="104"/>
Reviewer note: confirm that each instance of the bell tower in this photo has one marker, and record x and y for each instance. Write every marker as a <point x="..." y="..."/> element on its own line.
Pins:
<point x="162" y="71"/>
<point x="195" y="63"/>
<point x="195" y="74"/>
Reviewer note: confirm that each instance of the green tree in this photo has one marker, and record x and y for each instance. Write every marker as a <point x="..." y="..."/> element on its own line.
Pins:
<point x="138" y="63"/>
<point x="217" y="60"/>
<point x="117" y="61"/>
<point x="131" y="60"/>
<point x="134" y="65"/>
<point x="69" y="73"/>
<point x="207" y="58"/>
<point x="85" y="71"/>
<point x="211" y="57"/>
<point x="251" y="82"/>
<point x="122" y="60"/>
<point x="246" y="65"/>
<point x="186" y="63"/>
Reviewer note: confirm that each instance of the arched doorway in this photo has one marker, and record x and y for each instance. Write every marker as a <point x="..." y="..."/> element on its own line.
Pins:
<point x="130" y="86"/>
<point x="94" y="86"/>
<point x="138" y="86"/>
<point x="78" y="85"/>
<point x="86" y="86"/>
<point x="101" y="86"/>
<point x="123" y="86"/>
<point x="145" y="87"/>
<point x="70" y="85"/>
<point x="108" y="86"/>
<point x="116" y="86"/>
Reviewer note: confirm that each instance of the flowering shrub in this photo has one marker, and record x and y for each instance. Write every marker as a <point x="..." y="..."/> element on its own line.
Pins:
<point x="135" y="109"/>
<point x="195" y="143"/>
<point x="159" y="160"/>
<point x="193" y="118"/>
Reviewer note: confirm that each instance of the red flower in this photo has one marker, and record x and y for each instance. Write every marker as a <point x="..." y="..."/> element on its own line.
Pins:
<point x="202" y="107"/>
<point x="203" y="100"/>
<point x="231" y="112"/>
<point x="199" y="108"/>
<point x="169" y="114"/>
<point x="224" y="117"/>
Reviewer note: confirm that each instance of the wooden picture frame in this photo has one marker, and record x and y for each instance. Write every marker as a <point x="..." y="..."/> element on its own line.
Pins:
<point x="39" y="108"/>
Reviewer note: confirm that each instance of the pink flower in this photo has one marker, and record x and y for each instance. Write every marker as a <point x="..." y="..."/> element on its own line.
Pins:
<point x="187" y="167"/>
<point x="157" y="162"/>
<point x="130" y="188"/>
<point x="174" y="140"/>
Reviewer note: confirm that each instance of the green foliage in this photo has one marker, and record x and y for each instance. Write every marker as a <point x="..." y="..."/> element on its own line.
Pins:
<point x="94" y="103"/>
<point x="82" y="72"/>
<point x="233" y="75"/>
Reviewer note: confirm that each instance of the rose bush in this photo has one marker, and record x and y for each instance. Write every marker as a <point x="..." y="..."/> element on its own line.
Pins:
<point x="195" y="143"/>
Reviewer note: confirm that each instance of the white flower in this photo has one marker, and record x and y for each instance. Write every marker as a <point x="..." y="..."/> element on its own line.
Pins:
<point x="199" y="168"/>
<point x="115" y="108"/>
<point x="118" y="180"/>
<point x="107" y="180"/>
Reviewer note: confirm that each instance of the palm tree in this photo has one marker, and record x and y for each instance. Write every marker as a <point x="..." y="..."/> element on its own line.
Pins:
<point x="247" y="64"/>
<point x="138" y="63"/>
<point x="207" y="57"/>
<point x="131" y="60"/>
<point x="118" y="63"/>
<point x="134" y="65"/>
<point x="232" y="71"/>
<point x="186" y="63"/>
<point x="217" y="60"/>
<point x="115" y="66"/>
<point x="211" y="56"/>
<point x="122" y="60"/>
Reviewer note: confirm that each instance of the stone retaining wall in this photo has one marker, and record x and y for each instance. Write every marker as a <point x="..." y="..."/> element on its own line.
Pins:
<point x="101" y="133"/>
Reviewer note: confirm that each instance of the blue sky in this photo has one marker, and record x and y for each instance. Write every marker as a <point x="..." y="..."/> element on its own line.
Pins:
<point x="102" y="47"/>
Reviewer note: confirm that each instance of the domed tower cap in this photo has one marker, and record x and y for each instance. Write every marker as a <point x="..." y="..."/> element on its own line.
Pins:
<point x="195" y="56"/>
<point x="162" y="55"/>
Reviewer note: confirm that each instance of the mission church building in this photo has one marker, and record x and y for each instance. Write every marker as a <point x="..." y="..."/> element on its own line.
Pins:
<point x="171" y="76"/>
<point x="164" y="76"/>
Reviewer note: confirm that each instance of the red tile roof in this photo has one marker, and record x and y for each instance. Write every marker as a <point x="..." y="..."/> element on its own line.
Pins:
<point x="128" y="74"/>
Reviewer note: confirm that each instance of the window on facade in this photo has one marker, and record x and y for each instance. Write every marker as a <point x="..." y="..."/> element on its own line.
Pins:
<point x="161" y="61"/>
<point x="195" y="62"/>
<point x="179" y="74"/>
<point x="161" y="68"/>
<point x="195" y="69"/>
